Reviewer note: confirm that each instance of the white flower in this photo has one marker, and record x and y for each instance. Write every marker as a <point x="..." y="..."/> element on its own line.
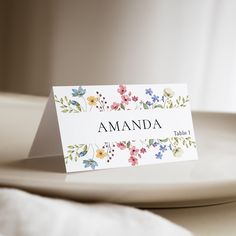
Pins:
<point x="178" y="152"/>
<point x="168" y="92"/>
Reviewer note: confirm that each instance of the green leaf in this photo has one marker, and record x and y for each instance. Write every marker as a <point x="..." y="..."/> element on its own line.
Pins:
<point x="78" y="107"/>
<point x="164" y="140"/>
<point x="158" y="106"/>
<point x="85" y="149"/>
<point x="65" y="110"/>
<point x="122" y="106"/>
<point x="128" y="144"/>
<point x="145" y="106"/>
<point x="150" y="142"/>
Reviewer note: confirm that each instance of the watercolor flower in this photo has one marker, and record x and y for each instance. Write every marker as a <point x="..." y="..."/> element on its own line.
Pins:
<point x="133" y="160"/>
<point x="163" y="148"/>
<point x="133" y="151"/>
<point x="143" y="150"/>
<point x="148" y="103"/>
<point x="155" y="98"/>
<point x="178" y="152"/>
<point x="122" y="89"/>
<point x="159" y="155"/>
<point x="170" y="103"/>
<point x="90" y="163"/>
<point x="100" y="153"/>
<point x="78" y="92"/>
<point x="115" y="106"/>
<point x="81" y="154"/>
<point x="149" y="91"/>
<point x="121" y="145"/>
<point x="125" y="99"/>
<point x="155" y="144"/>
<point x="168" y="92"/>
<point x="75" y="103"/>
<point x="135" y="98"/>
<point x="92" y="101"/>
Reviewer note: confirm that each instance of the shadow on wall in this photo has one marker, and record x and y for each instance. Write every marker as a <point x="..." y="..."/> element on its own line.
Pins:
<point x="26" y="46"/>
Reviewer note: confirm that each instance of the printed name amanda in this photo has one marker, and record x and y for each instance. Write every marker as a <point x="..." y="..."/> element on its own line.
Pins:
<point x="128" y="126"/>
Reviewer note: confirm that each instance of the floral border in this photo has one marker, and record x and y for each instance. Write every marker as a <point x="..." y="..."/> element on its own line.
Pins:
<point x="137" y="149"/>
<point x="79" y="102"/>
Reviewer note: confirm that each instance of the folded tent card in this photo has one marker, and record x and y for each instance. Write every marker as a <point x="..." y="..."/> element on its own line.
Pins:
<point x="108" y="126"/>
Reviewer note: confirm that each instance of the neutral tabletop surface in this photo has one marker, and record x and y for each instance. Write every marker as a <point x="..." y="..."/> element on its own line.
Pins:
<point x="19" y="112"/>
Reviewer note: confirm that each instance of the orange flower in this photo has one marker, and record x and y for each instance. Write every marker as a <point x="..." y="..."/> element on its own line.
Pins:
<point x="100" y="153"/>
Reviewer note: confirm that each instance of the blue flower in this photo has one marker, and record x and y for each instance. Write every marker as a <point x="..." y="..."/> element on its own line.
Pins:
<point x="78" y="92"/>
<point x="90" y="163"/>
<point x="155" y="98"/>
<point x="148" y="103"/>
<point x="155" y="144"/>
<point x="73" y="102"/>
<point x="81" y="154"/>
<point x="149" y="91"/>
<point x="159" y="155"/>
<point x="163" y="148"/>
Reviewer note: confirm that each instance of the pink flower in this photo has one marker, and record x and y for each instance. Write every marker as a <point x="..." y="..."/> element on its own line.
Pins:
<point x="133" y="160"/>
<point x="133" y="151"/>
<point x="115" y="106"/>
<point x="129" y="93"/>
<point x="135" y="98"/>
<point x="143" y="150"/>
<point x="122" y="89"/>
<point x="121" y="145"/>
<point x="125" y="99"/>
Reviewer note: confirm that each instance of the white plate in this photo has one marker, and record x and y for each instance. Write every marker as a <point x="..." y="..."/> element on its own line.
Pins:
<point x="210" y="180"/>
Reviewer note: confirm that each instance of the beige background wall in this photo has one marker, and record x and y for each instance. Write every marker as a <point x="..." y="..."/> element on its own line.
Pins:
<point x="2" y="27"/>
<point x="58" y="42"/>
<point x="99" y="42"/>
<point x="26" y="46"/>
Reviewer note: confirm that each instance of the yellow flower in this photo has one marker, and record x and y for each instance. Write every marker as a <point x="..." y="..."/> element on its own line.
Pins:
<point x="92" y="100"/>
<point x="100" y="153"/>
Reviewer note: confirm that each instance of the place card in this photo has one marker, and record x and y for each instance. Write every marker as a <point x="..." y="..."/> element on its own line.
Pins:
<point x="108" y="126"/>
